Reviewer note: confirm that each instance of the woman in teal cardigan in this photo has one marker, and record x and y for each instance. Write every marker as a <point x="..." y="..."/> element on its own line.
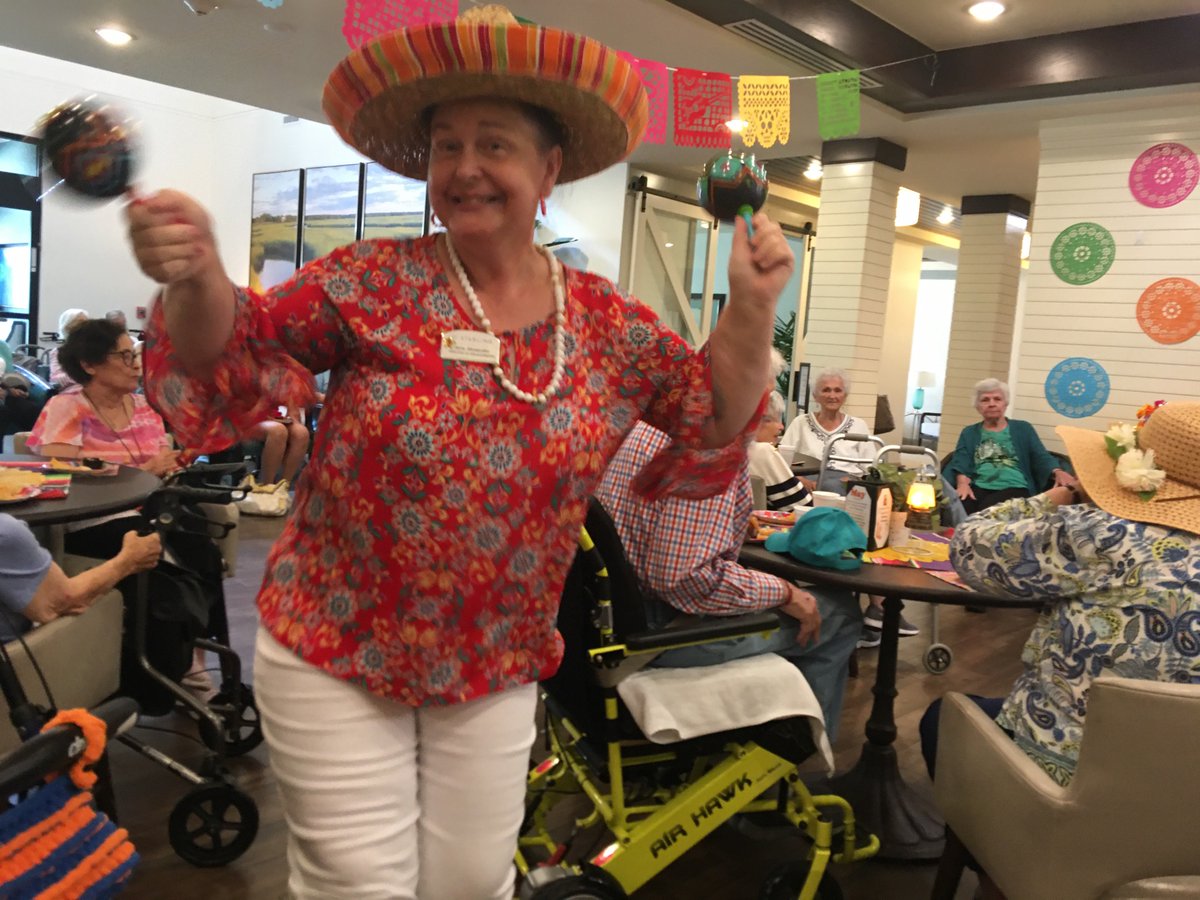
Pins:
<point x="1000" y="458"/>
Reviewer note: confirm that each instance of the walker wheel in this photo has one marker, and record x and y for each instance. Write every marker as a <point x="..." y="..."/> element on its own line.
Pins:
<point x="243" y="726"/>
<point x="938" y="658"/>
<point x="212" y="825"/>
<point x="785" y="882"/>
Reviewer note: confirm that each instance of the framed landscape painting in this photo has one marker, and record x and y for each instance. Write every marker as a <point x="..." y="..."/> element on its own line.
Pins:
<point x="274" y="227"/>
<point x="330" y="209"/>
<point x="393" y="206"/>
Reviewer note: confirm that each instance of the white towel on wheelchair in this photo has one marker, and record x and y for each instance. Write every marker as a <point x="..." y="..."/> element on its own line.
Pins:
<point x="672" y="705"/>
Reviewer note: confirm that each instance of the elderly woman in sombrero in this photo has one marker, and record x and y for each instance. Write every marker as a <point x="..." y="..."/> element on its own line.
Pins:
<point x="478" y="390"/>
<point x="1117" y="559"/>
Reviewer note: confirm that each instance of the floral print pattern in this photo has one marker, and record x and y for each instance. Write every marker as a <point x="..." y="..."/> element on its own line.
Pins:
<point x="1121" y="596"/>
<point x="433" y="528"/>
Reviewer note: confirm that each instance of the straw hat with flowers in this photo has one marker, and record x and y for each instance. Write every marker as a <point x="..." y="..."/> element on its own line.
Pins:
<point x="378" y="97"/>
<point x="1149" y="472"/>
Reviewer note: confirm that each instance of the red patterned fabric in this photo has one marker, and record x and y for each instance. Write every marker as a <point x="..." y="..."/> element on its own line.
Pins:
<point x="434" y="525"/>
<point x="364" y="19"/>
<point x="654" y="77"/>
<point x="703" y="104"/>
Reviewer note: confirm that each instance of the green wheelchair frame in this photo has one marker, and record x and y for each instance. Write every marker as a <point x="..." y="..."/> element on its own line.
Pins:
<point x="655" y="830"/>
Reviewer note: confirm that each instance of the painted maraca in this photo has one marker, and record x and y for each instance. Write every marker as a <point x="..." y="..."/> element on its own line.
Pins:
<point x="89" y="149"/>
<point x="732" y="185"/>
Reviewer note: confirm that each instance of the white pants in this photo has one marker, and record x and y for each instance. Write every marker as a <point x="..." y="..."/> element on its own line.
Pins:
<point x="387" y="801"/>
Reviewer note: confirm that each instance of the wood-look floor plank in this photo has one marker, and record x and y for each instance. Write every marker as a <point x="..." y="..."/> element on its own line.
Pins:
<point x="729" y="866"/>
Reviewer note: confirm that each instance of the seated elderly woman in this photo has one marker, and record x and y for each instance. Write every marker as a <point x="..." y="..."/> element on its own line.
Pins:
<point x="811" y="432"/>
<point x="1115" y="558"/>
<point x="35" y="590"/>
<point x="67" y="322"/>
<point x="784" y="490"/>
<point x="1000" y="458"/>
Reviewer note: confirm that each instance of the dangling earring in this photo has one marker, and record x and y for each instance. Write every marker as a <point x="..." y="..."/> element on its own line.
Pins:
<point x="542" y="203"/>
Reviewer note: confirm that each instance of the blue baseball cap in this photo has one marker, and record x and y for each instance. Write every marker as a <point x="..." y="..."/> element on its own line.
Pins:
<point x="825" y="537"/>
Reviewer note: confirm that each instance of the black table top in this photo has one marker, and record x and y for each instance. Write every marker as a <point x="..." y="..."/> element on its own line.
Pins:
<point x="803" y="464"/>
<point x="89" y="497"/>
<point x="888" y="581"/>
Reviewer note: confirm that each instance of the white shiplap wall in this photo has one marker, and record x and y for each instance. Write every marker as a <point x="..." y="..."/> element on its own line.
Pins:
<point x="852" y="270"/>
<point x="1084" y="177"/>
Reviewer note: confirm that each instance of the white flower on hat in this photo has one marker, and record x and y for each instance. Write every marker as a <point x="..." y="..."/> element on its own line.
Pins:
<point x="1124" y="435"/>
<point x="1136" y="472"/>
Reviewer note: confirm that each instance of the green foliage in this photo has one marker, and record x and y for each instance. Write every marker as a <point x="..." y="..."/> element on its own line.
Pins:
<point x="784" y="341"/>
<point x="900" y="480"/>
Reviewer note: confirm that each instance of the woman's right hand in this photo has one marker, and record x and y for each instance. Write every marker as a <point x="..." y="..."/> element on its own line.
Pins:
<point x="140" y="552"/>
<point x="171" y="236"/>
<point x="162" y="463"/>
<point x="963" y="488"/>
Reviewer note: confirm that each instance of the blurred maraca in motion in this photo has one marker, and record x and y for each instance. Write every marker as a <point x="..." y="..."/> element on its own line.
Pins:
<point x="88" y="148"/>
<point x="732" y="185"/>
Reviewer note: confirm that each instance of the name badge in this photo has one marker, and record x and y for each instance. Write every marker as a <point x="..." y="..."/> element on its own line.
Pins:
<point x="471" y="346"/>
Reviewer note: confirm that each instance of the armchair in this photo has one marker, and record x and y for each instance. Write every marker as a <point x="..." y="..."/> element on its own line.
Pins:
<point x="1124" y="826"/>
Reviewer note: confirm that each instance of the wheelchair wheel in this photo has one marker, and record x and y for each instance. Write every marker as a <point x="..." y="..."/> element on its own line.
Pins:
<point x="786" y="881"/>
<point x="243" y="726"/>
<point x="212" y="825"/>
<point x="938" y="658"/>
<point x="560" y="884"/>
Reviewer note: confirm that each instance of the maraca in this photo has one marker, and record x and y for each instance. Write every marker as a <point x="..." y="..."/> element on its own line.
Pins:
<point x="732" y="185"/>
<point x="88" y="149"/>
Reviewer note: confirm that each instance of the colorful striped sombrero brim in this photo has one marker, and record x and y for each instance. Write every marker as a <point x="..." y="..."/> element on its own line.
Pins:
<point x="377" y="96"/>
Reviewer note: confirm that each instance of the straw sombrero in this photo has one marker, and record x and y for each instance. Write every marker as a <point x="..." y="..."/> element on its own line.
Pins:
<point x="1173" y="433"/>
<point x="377" y="96"/>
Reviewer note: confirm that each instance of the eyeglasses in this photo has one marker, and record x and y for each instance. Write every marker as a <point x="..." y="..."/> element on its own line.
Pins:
<point x="129" y="357"/>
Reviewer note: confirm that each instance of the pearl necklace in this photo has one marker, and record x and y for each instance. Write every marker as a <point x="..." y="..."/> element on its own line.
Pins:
<point x="560" y="319"/>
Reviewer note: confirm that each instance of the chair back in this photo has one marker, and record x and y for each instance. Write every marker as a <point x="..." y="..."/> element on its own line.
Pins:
<point x="21" y="442"/>
<point x="758" y="489"/>
<point x="884" y="420"/>
<point x="80" y="657"/>
<point x="574" y="685"/>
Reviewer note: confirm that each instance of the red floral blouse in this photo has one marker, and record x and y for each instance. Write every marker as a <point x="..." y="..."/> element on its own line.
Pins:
<point x="433" y="528"/>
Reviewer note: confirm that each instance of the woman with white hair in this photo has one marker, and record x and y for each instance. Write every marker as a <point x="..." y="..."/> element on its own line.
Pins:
<point x="812" y="431"/>
<point x="784" y="490"/>
<point x="67" y="322"/>
<point x="1000" y="458"/>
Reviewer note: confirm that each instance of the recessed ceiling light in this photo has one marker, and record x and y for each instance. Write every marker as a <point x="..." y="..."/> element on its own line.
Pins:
<point x="737" y="126"/>
<point x="668" y="244"/>
<point x="814" y="171"/>
<point x="114" y="36"/>
<point x="946" y="216"/>
<point x="986" y="10"/>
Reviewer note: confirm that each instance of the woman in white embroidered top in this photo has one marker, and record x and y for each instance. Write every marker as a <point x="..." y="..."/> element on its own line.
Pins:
<point x="812" y="431"/>
<point x="784" y="490"/>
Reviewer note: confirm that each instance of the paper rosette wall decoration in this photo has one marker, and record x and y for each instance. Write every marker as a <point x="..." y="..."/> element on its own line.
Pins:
<point x="364" y="19"/>
<point x="1169" y="310"/>
<point x="1164" y="175"/>
<point x="703" y="104"/>
<point x="654" y="77"/>
<point x="765" y="102"/>
<point x="1082" y="253"/>
<point x="1077" y="387"/>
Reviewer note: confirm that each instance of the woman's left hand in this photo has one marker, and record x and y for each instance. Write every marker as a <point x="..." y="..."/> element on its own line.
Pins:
<point x="761" y="265"/>
<point x="1063" y="478"/>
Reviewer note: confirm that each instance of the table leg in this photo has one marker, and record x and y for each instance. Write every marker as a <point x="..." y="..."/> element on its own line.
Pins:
<point x="908" y="825"/>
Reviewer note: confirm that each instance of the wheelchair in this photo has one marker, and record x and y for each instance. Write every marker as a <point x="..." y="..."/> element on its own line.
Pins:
<point x="658" y="801"/>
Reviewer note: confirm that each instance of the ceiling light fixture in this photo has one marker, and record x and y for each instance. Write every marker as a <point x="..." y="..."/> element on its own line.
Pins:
<point x="114" y="36"/>
<point x="986" y="10"/>
<point x="814" y="171"/>
<point x="668" y="245"/>
<point x="946" y="216"/>
<point x="736" y="125"/>
<point x="908" y="207"/>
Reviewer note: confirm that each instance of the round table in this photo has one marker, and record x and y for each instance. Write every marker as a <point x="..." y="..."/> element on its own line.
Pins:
<point x="907" y="823"/>
<point x="90" y="497"/>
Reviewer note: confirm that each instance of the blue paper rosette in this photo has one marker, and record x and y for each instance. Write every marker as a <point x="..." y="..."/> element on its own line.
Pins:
<point x="1077" y="387"/>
